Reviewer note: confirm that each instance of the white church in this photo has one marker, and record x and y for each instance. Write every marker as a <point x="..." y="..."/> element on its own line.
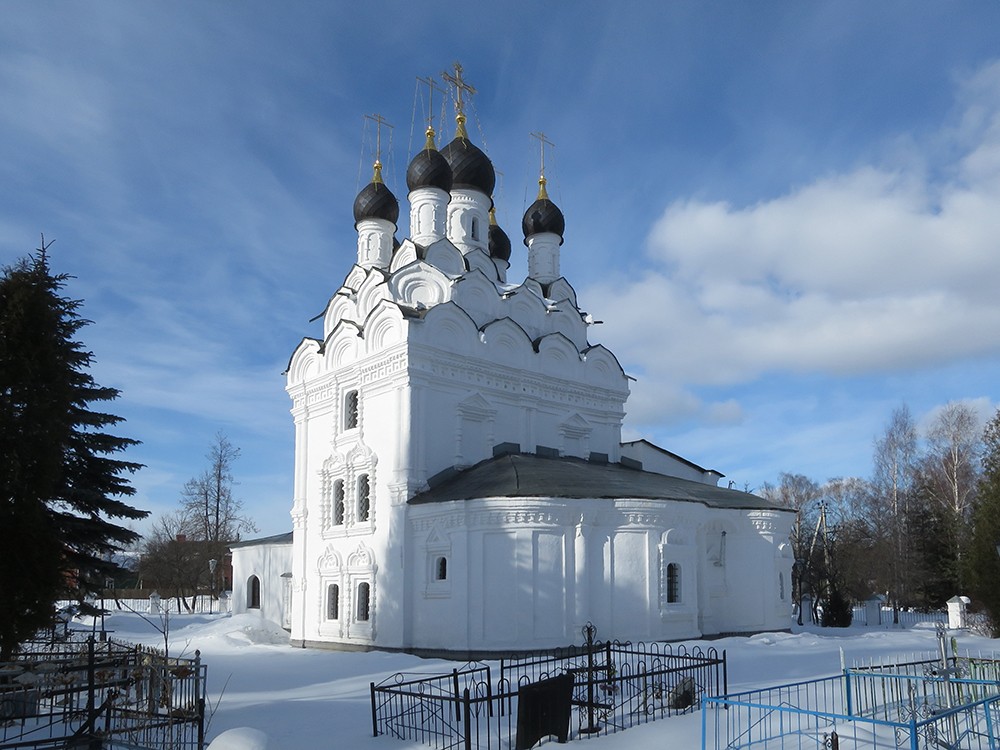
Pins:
<point x="460" y="483"/>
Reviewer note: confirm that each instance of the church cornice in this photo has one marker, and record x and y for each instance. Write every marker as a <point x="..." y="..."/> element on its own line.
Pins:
<point x="385" y="371"/>
<point x="433" y="365"/>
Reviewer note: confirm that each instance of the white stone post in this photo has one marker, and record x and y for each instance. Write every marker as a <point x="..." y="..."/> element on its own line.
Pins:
<point x="873" y="611"/>
<point x="956" y="612"/>
<point x="807" y="610"/>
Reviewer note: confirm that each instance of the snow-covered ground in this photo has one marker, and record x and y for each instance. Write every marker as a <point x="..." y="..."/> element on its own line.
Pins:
<point x="265" y="694"/>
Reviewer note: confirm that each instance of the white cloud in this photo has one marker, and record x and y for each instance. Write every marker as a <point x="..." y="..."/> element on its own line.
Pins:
<point x="982" y="406"/>
<point x="883" y="267"/>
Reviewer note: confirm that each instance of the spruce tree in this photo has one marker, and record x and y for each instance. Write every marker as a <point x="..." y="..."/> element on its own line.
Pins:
<point x="61" y="486"/>
<point x="983" y="559"/>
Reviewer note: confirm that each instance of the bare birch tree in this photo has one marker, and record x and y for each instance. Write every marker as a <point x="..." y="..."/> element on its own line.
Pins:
<point x="892" y="495"/>
<point x="209" y="502"/>
<point x="949" y="471"/>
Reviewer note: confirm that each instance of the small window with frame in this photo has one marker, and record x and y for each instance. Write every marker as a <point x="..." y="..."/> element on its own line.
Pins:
<point x="351" y="410"/>
<point x="673" y="583"/>
<point x="333" y="602"/>
<point x="338" y="503"/>
<point x="364" y="602"/>
<point x="364" y="498"/>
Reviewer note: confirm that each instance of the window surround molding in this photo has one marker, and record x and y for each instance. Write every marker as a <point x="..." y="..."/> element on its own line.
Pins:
<point x="347" y="469"/>
<point x="350" y="404"/>
<point x="436" y="547"/>
<point x="676" y="549"/>
<point x="331" y="573"/>
<point x="360" y="568"/>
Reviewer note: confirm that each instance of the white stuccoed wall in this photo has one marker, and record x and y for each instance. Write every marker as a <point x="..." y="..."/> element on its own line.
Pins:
<point x="269" y="562"/>
<point x="449" y="361"/>
<point x="532" y="572"/>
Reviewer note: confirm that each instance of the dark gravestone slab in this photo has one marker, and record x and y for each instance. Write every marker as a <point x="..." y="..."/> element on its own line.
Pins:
<point x="543" y="709"/>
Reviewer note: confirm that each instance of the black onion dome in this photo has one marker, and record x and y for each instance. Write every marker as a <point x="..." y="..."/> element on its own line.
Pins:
<point x="543" y="216"/>
<point x="470" y="167"/>
<point x="429" y="169"/>
<point x="376" y="201"/>
<point x="499" y="243"/>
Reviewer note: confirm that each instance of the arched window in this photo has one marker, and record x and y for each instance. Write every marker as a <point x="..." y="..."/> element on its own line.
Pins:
<point x="781" y="585"/>
<point x="338" y="503"/>
<point x="253" y="592"/>
<point x="441" y="569"/>
<point x="364" y="497"/>
<point x="673" y="583"/>
<point x="475" y="229"/>
<point x="364" y="602"/>
<point x="333" y="602"/>
<point x="351" y="410"/>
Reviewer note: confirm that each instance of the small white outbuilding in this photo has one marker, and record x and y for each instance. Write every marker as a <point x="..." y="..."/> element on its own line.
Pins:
<point x="460" y="484"/>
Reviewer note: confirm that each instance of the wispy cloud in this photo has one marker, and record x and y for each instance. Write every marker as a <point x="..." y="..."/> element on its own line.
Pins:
<point x="886" y="266"/>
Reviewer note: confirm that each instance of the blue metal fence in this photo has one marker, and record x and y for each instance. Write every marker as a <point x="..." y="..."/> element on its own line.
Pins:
<point x="858" y="709"/>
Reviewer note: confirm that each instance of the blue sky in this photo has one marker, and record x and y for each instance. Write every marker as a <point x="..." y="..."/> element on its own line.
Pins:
<point x="786" y="214"/>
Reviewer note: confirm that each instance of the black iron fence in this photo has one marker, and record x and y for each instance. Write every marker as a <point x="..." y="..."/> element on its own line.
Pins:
<point x="93" y="694"/>
<point x="614" y="686"/>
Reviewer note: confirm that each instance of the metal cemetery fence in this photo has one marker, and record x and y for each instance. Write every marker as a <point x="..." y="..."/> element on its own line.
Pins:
<point x="97" y="694"/>
<point x="614" y="686"/>
<point x="918" y="705"/>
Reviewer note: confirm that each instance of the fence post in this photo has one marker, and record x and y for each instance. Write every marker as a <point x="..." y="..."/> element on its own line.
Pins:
<point x="199" y="691"/>
<point x="374" y="716"/>
<point x="468" y="722"/>
<point x="589" y="631"/>
<point x="989" y="725"/>
<point x="201" y="724"/>
<point x="849" y="694"/>
<point x="489" y="691"/>
<point x="725" y="675"/>
<point x="458" y="703"/>
<point x="704" y="725"/>
<point x="93" y="742"/>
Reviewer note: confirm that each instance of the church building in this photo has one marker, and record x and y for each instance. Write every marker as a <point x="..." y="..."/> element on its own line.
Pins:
<point x="460" y="483"/>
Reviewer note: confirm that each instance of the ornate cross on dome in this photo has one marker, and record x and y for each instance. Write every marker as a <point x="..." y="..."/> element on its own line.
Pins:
<point x="379" y="122"/>
<point x="431" y="88"/>
<point x="542" y="141"/>
<point x="460" y="85"/>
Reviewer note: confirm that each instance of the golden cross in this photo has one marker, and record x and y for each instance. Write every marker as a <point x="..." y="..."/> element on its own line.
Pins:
<point x="542" y="141"/>
<point x="431" y="88"/>
<point x="460" y="86"/>
<point x="379" y="122"/>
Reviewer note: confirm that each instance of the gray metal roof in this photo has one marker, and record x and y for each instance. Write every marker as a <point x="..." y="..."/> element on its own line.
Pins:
<point x="285" y="538"/>
<point x="526" y="475"/>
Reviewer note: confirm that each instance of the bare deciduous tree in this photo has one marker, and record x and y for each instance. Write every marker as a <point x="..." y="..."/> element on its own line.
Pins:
<point x="949" y="471"/>
<point x="178" y="554"/>
<point x="954" y="445"/>
<point x="171" y="563"/>
<point x="213" y="511"/>
<point x="891" y="498"/>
